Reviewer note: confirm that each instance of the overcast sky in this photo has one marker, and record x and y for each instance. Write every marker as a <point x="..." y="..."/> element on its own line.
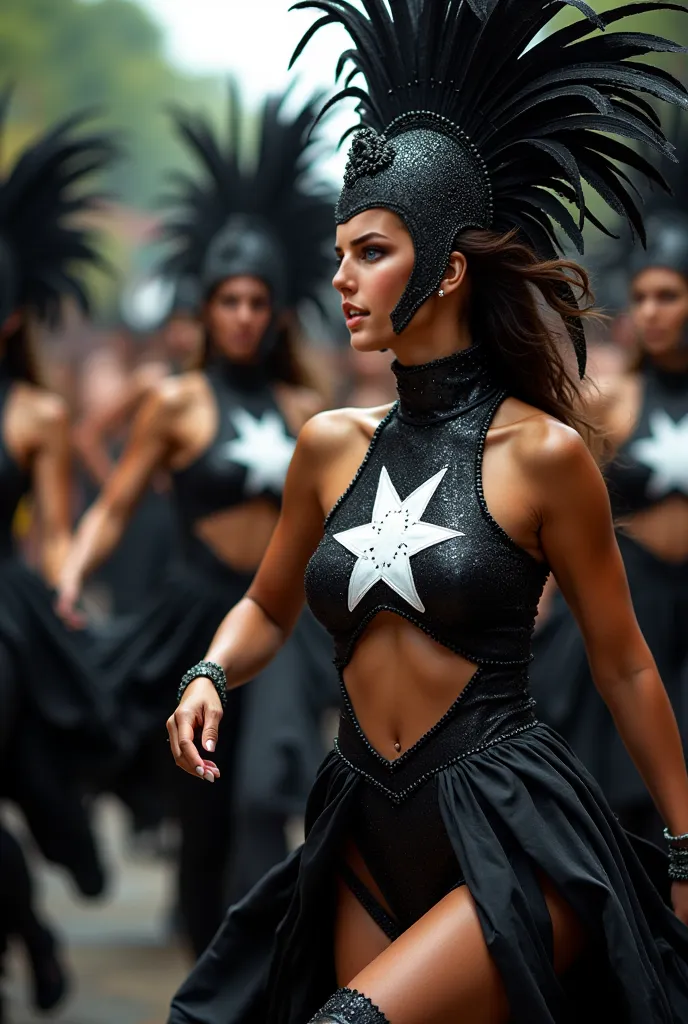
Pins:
<point x="254" y="39"/>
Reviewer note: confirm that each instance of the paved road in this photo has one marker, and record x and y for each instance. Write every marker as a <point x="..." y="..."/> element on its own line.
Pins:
<point x="123" y="964"/>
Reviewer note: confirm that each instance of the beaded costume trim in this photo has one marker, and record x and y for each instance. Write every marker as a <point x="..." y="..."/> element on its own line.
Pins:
<point x="348" y="1006"/>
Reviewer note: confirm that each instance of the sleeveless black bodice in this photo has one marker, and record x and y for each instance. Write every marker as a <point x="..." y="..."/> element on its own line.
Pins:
<point x="413" y="535"/>
<point x="652" y="463"/>
<point x="250" y="453"/>
<point x="14" y="481"/>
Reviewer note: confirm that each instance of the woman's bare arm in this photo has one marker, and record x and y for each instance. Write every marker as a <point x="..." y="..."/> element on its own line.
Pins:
<point x="52" y="483"/>
<point x="102" y="527"/>
<point x="91" y="433"/>
<point x="578" y="540"/>
<point x="253" y="631"/>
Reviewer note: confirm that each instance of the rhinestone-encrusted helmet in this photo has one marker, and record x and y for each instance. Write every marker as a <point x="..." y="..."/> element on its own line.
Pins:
<point x="473" y="117"/>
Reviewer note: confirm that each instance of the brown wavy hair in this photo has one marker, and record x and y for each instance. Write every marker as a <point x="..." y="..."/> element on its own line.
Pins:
<point x="512" y="299"/>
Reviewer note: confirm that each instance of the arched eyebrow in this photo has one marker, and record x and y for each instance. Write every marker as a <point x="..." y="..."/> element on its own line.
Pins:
<point x="368" y="237"/>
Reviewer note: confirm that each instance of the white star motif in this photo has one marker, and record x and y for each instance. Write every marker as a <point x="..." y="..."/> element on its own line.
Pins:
<point x="385" y="546"/>
<point x="665" y="453"/>
<point x="264" y="447"/>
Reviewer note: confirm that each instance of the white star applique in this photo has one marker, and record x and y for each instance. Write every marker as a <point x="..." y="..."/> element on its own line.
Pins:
<point x="385" y="546"/>
<point x="665" y="453"/>
<point x="264" y="447"/>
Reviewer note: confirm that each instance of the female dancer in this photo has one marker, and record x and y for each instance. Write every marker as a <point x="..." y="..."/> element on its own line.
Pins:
<point x="226" y="434"/>
<point x="460" y="864"/>
<point x="55" y="721"/>
<point x="51" y="724"/>
<point x="645" y="418"/>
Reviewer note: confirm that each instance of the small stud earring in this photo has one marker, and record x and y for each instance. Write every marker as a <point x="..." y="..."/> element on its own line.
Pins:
<point x="441" y="293"/>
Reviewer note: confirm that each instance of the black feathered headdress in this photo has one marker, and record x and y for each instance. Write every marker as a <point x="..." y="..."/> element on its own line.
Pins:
<point x="271" y="220"/>
<point x="472" y="120"/>
<point x="40" y="245"/>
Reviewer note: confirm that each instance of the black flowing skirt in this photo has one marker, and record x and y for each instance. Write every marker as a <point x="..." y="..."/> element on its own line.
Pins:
<point x="58" y="722"/>
<point x="513" y="803"/>
<point x="562" y="684"/>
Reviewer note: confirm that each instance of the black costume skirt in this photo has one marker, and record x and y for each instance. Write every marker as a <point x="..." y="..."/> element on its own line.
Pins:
<point x="562" y="684"/>
<point x="57" y="724"/>
<point x="511" y="802"/>
<point x="144" y="657"/>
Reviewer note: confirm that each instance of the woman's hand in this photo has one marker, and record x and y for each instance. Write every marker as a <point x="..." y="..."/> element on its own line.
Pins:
<point x="199" y="708"/>
<point x="679" y="900"/>
<point x="68" y="595"/>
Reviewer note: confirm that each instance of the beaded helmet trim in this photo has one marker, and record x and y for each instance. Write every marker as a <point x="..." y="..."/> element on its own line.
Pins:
<point x="41" y="246"/>
<point x="481" y="119"/>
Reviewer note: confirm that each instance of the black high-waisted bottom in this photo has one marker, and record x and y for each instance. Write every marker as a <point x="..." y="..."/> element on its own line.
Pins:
<point x="397" y="824"/>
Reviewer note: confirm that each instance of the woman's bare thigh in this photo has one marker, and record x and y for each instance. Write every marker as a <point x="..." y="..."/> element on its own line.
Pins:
<point x="439" y="968"/>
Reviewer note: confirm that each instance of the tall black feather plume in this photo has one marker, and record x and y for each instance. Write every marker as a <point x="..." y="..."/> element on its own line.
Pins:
<point x="539" y="111"/>
<point x="275" y="192"/>
<point x="41" y="246"/>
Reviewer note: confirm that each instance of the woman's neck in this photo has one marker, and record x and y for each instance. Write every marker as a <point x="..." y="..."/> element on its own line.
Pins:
<point x="419" y="347"/>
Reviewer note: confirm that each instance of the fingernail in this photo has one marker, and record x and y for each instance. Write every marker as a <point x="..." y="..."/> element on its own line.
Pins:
<point x="209" y="745"/>
<point x="209" y="777"/>
<point x="200" y="770"/>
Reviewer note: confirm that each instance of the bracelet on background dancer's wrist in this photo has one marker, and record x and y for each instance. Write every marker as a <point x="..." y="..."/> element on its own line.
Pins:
<point x="678" y="856"/>
<point x="207" y="670"/>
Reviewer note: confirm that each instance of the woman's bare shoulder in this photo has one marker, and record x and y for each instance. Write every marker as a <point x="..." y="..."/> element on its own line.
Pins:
<point x="329" y="433"/>
<point x="543" y="445"/>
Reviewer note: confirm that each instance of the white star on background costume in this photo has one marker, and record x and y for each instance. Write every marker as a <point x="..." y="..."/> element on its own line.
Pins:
<point x="264" y="447"/>
<point x="665" y="453"/>
<point x="385" y="545"/>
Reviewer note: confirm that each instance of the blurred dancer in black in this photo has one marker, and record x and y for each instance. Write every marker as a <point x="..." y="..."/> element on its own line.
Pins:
<point x="54" y="730"/>
<point x="225" y="433"/>
<point x="644" y="415"/>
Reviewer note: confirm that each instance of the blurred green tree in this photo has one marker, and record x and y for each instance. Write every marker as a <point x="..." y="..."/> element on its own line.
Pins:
<point x="64" y="55"/>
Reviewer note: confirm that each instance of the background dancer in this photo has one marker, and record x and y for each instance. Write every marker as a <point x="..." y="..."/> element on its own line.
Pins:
<point x="225" y="433"/>
<point x="54" y="730"/>
<point x="460" y="862"/>
<point x="644" y="416"/>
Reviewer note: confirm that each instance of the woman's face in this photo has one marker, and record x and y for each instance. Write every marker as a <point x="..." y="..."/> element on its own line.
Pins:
<point x="236" y="316"/>
<point x="375" y="256"/>
<point x="659" y="309"/>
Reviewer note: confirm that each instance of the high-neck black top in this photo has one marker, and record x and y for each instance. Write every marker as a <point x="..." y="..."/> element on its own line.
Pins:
<point x="412" y="534"/>
<point x="250" y="452"/>
<point x="652" y="464"/>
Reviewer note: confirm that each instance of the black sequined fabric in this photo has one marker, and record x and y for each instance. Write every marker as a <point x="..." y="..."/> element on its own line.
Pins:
<point x="431" y="176"/>
<point x="479" y="590"/>
<point x="347" y="1006"/>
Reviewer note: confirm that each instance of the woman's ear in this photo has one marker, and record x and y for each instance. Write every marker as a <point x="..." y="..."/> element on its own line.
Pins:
<point x="455" y="274"/>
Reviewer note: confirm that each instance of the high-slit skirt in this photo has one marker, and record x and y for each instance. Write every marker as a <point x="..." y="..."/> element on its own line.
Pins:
<point x="511" y="802"/>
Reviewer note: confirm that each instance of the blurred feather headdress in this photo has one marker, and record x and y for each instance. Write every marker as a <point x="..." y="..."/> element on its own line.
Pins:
<point x="271" y="219"/>
<point x="666" y="216"/>
<point x="41" y="244"/>
<point x="472" y="120"/>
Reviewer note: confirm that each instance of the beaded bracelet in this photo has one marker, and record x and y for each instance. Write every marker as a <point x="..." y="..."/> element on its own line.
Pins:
<point x="209" y="670"/>
<point x="675" y="839"/>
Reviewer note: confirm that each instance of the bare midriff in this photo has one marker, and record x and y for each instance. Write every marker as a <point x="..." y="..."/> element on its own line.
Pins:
<point x="239" y="536"/>
<point x="662" y="529"/>
<point x="401" y="682"/>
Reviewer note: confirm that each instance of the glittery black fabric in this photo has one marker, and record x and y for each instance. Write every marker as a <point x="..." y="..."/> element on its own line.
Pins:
<point x="434" y="179"/>
<point x="480" y="590"/>
<point x="347" y="1006"/>
<point x="489" y="797"/>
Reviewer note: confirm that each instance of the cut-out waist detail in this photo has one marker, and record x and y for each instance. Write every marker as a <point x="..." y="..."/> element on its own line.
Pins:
<point x="495" y="705"/>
